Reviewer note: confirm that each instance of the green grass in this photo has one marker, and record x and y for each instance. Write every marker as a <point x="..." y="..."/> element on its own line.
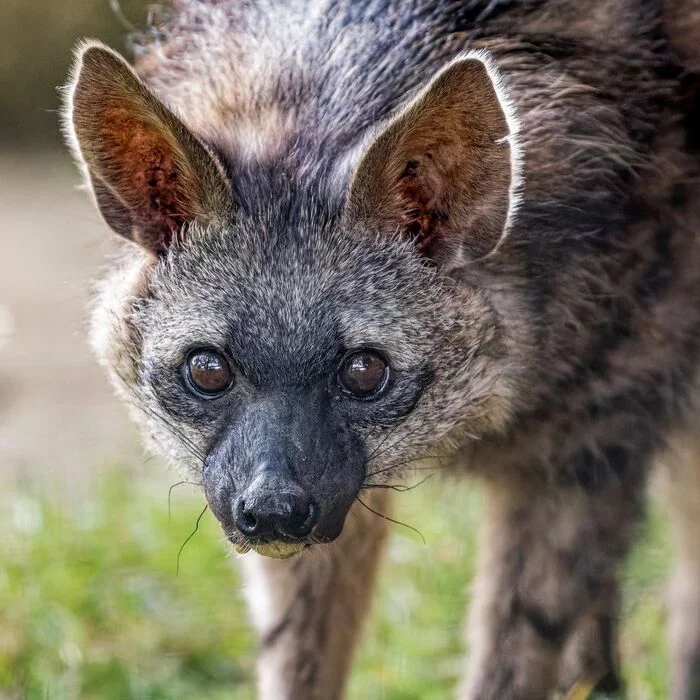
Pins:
<point x="91" y="605"/>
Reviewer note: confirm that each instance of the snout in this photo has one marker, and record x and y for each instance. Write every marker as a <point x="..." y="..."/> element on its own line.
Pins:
<point x="279" y="478"/>
<point x="274" y="515"/>
<point x="266" y="514"/>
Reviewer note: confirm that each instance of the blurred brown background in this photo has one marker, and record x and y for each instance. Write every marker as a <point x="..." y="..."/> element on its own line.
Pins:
<point x="58" y="420"/>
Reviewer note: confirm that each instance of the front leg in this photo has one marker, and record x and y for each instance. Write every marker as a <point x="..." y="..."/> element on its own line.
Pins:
<point x="308" y="610"/>
<point x="549" y="555"/>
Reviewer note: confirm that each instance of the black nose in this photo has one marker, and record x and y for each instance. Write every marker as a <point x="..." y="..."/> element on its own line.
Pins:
<point x="271" y="515"/>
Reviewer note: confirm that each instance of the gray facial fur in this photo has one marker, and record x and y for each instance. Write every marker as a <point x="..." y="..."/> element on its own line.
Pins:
<point x="286" y="343"/>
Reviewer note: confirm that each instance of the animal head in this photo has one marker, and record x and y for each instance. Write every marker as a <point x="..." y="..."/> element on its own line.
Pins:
<point x="291" y="348"/>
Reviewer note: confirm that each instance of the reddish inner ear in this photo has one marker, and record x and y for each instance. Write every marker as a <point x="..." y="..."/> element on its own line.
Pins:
<point x="420" y="195"/>
<point x="142" y="161"/>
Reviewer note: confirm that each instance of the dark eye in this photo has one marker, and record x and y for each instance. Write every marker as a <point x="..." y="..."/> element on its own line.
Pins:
<point x="363" y="375"/>
<point x="208" y="372"/>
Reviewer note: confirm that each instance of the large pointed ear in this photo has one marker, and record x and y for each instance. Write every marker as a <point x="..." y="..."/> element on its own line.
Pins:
<point x="150" y="175"/>
<point x="445" y="171"/>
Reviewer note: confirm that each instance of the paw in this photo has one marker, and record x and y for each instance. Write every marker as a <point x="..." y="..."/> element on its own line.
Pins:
<point x="609" y="687"/>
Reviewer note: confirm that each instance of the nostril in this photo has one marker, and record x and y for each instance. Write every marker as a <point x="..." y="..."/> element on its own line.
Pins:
<point x="303" y="523"/>
<point x="269" y="516"/>
<point x="246" y="521"/>
<point x="311" y="516"/>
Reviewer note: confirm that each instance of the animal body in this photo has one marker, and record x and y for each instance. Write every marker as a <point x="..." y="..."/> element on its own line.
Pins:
<point x="366" y="232"/>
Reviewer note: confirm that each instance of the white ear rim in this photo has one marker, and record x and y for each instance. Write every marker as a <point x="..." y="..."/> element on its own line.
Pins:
<point x="517" y="156"/>
<point x="348" y="163"/>
<point x="66" y="111"/>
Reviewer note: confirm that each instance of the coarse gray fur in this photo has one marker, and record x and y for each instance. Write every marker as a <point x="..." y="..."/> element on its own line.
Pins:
<point x="533" y="276"/>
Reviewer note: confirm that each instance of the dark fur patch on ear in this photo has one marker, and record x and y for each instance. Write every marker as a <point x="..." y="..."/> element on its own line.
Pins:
<point x="144" y="163"/>
<point x="423" y="216"/>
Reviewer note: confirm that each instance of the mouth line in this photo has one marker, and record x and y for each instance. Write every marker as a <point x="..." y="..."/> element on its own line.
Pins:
<point x="276" y="549"/>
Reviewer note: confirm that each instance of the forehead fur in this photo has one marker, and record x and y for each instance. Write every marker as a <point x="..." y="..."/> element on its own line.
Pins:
<point x="285" y="281"/>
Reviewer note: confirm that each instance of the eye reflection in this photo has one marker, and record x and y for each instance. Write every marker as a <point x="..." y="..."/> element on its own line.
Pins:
<point x="363" y="375"/>
<point x="208" y="372"/>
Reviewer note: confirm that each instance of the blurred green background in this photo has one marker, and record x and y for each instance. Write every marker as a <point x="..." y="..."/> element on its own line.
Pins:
<point x="91" y="605"/>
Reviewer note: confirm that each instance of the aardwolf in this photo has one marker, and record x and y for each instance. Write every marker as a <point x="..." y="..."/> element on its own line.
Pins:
<point x="360" y="233"/>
